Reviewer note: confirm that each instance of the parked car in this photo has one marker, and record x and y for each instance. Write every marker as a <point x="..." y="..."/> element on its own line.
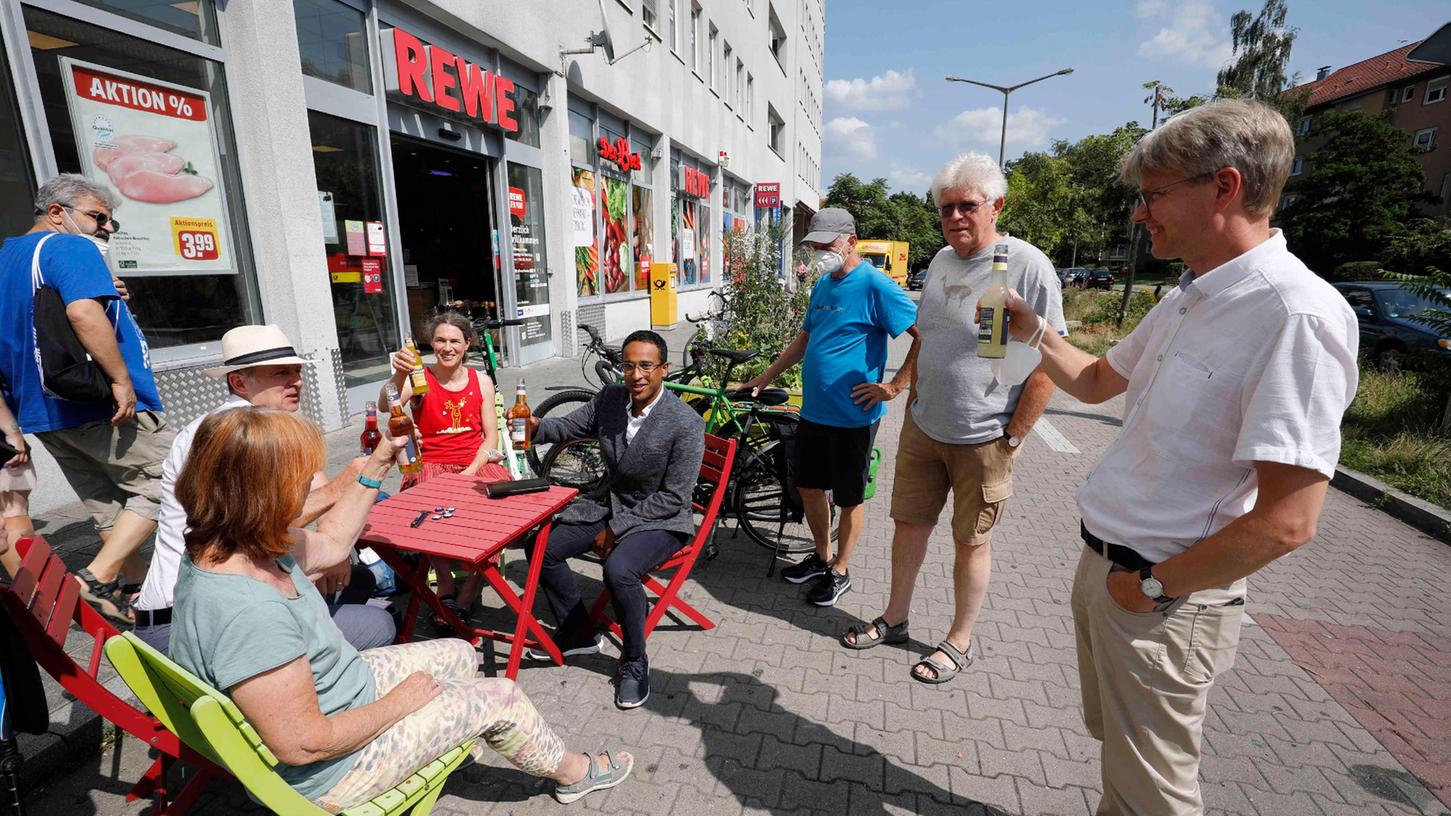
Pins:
<point x="1387" y="331"/>
<point x="1072" y="276"/>
<point x="916" y="279"/>
<point x="1098" y="279"/>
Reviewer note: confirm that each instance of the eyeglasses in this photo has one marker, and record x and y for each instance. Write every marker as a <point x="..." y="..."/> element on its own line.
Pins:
<point x="1148" y="197"/>
<point x="101" y="219"/>
<point x="644" y="368"/>
<point x="963" y="207"/>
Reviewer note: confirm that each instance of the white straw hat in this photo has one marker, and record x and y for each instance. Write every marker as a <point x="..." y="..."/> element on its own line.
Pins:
<point x="247" y="346"/>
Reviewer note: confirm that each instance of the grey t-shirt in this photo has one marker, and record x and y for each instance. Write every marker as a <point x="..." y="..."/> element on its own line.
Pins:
<point x="957" y="400"/>
<point x="229" y="628"/>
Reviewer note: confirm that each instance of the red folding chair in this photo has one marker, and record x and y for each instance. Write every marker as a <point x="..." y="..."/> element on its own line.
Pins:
<point x="43" y="600"/>
<point x="715" y="470"/>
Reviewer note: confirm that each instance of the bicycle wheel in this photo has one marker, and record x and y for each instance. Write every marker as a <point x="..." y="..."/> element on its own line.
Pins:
<point x="578" y="463"/>
<point x="766" y="507"/>
<point x="560" y="403"/>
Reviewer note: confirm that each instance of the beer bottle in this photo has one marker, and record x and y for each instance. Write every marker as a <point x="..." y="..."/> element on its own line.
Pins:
<point x="992" y="315"/>
<point x="416" y="378"/>
<point x="371" y="435"/>
<point x="401" y="427"/>
<point x="518" y="418"/>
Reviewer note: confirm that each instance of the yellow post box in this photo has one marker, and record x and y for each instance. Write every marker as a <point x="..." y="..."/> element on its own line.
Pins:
<point x="662" y="295"/>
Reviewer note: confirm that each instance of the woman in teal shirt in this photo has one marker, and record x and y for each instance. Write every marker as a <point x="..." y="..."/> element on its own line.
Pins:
<point x="345" y="726"/>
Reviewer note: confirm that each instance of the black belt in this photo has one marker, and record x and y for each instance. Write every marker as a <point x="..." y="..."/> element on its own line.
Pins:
<point x="152" y="617"/>
<point x="1123" y="556"/>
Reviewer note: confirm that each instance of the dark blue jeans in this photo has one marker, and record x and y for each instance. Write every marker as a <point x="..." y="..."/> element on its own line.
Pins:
<point x="635" y="554"/>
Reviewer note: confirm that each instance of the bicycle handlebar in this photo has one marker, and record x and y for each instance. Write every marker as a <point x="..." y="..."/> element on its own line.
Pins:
<point x="489" y="323"/>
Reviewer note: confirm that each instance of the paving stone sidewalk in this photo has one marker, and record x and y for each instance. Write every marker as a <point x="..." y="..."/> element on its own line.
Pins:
<point x="1338" y="703"/>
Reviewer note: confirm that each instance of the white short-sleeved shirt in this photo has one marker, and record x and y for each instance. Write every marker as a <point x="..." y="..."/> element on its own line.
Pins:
<point x="1253" y="361"/>
<point x="160" y="584"/>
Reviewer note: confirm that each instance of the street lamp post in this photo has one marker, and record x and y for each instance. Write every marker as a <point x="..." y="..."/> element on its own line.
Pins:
<point x="1005" y="90"/>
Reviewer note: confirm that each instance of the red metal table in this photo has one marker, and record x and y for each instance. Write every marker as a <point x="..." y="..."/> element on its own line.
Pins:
<point x="479" y="530"/>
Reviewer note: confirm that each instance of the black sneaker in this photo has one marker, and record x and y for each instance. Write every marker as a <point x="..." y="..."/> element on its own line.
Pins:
<point x="569" y="648"/>
<point x="827" y="588"/>
<point x="632" y="687"/>
<point x="806" y="569"/>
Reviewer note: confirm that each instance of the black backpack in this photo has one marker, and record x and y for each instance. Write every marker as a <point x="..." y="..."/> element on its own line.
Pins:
<point x="66" y="371"/>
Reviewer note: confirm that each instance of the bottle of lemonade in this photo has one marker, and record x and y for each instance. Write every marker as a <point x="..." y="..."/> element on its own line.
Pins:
<point x="992" y="328"/>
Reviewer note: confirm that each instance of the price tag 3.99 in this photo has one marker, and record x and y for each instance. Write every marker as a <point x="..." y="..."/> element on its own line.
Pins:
<point x="195" y="239"/>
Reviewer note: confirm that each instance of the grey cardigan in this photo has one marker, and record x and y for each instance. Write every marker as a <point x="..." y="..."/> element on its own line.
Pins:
<point x="651" y="479"/>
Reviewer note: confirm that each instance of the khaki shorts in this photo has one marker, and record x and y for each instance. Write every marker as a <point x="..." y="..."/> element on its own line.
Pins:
<point x="114" y="469"/>
<point x="980" y="477"/>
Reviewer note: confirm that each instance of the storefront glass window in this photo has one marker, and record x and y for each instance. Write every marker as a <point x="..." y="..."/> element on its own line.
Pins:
<point x="196" y="18"/>
<point x="531" y="275"/>
<point x="582" y="216"/>
<point x="17" y="185"/>
<point x="333" y="40"/>
<point x="345" y="156"/>
<point x="172" y="309"/>
<point x="526" y="111"/>
<point x="704" y="227"/>
<point x="688" y="242"/>
<point x="615" y="255"/>
<point x="644" y="215"/>
<point x="581" y="139"/>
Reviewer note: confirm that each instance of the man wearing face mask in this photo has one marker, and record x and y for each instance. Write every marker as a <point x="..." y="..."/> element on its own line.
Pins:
<point x="110" y="452"/>
<point x="853" y="312"/>
<point x="968" y="417"/>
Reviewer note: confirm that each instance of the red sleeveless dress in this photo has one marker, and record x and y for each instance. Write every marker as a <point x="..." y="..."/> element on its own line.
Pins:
<point x="452" y="426"/>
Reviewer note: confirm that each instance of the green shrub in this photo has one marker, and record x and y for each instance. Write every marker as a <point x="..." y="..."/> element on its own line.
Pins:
<point x="1392" y="432"/>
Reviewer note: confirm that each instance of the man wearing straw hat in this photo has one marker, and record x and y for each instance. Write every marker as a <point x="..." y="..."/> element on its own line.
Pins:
<point x="262" y="370"/>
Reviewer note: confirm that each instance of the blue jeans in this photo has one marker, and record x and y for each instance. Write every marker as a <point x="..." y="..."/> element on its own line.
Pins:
<point x="635" y="554"/>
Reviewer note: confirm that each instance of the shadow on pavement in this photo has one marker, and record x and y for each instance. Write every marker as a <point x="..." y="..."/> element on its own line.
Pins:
<point x="1104" y="418"/>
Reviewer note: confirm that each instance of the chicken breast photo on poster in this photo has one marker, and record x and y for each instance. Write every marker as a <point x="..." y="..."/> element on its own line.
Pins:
<point x="154" y="144"/>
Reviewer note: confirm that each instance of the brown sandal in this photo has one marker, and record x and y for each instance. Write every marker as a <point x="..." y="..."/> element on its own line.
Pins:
<point x="108" y="599"/>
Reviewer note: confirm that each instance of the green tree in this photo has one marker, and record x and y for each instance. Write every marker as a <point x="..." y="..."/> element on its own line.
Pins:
<point x="1041" y="207"/>
<point x="1262" y="44"/>
<point x="889" y="217"/>
<point x="1363" y="183"/>
<point x="916" y="223"/>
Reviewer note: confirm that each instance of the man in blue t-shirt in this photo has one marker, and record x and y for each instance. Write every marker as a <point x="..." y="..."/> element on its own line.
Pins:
<point x="110" y="451"/>
<point x="854" y="311"/>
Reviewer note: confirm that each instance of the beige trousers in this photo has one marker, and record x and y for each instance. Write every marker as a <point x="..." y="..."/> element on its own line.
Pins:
<point x="1145" y="681"/>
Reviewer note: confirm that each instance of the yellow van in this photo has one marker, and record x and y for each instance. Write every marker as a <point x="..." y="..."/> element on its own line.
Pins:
<point x="888" y="256"/>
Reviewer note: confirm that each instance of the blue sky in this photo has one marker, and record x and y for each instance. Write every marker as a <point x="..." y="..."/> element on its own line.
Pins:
<point x="888" y="111"/>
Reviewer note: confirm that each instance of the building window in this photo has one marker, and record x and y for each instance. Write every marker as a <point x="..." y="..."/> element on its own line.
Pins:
<point x="710" y="56"/>
<point x="776" y="130"/>
<point x="725" y="69"/>
<point x="333" y="41"/>
<point x="1304" y="125"/>
<point x="526" y="228"/>
<point x="647" y="13"/>
<point x="674" y="27"/>
<point x="196" y="19"/>
<point x="1407" y="93"/>
<point x="173" y="305"/>
<point x="17" y="185"/>
<point x="1297" y="167"/>
<point x="750" y="98"/>
<point x="695" y="38"/>
<point x="778" y="37"/>
<point x="1435" y="91"/>
<point x="345" y="158"/>
<point x="1425" y="140"/>
<point x="740" y="86"/>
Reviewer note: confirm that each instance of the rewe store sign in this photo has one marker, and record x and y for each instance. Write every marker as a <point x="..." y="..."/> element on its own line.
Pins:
<point x="434" y="76"/>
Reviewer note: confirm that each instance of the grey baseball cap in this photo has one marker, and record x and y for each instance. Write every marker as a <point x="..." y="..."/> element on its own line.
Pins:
<point x="829" y="225"/>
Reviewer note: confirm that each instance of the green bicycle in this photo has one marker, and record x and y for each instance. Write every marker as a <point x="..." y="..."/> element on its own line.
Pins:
<point x="762" y="493"/>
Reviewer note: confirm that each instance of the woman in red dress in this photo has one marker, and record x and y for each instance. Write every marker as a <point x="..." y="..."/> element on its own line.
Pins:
<point x="455" y="420"/>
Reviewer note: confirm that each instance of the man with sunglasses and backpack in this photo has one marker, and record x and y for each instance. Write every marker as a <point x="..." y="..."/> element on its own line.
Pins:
<point x="109" y="447"/>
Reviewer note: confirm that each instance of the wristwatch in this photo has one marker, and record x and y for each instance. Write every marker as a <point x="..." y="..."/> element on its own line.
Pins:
<point x="1014" y="441"/>
<point x="1150" y="586"/>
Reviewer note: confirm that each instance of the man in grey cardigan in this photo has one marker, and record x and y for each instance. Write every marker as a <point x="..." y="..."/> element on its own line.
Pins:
<point x="652" y="444"/>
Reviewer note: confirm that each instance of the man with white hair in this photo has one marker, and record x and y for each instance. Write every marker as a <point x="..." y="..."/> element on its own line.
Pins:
<point x="261" y="369"/>
<point x="1234" y="385"/>
<point x="963" y="428"/>
<point x="109" y="448"/>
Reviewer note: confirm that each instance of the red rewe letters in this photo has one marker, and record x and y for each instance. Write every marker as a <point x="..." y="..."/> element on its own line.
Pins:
<point x="432" y="74"/>
<point x="694" y="182"/>
<point x="619" y="153"/>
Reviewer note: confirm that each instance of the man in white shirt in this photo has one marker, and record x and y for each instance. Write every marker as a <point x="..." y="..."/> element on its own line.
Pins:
<point x="261" y="370"/>
<point x="1234" y="384"/>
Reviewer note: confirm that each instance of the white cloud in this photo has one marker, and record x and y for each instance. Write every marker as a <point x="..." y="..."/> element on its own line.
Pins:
<point x="981" y="128"/>
<point x="851" y="137"/>
<point x="1194" y="34"/>
<point x="908" y="178"/>
<point x="881" y="92"/>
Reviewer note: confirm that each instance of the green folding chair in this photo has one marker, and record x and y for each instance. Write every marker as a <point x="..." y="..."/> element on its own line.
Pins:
<point x="207" y="721"/>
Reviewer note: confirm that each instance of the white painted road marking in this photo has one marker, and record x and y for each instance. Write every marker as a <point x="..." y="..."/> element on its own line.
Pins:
<point x="1056" y="440"/>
